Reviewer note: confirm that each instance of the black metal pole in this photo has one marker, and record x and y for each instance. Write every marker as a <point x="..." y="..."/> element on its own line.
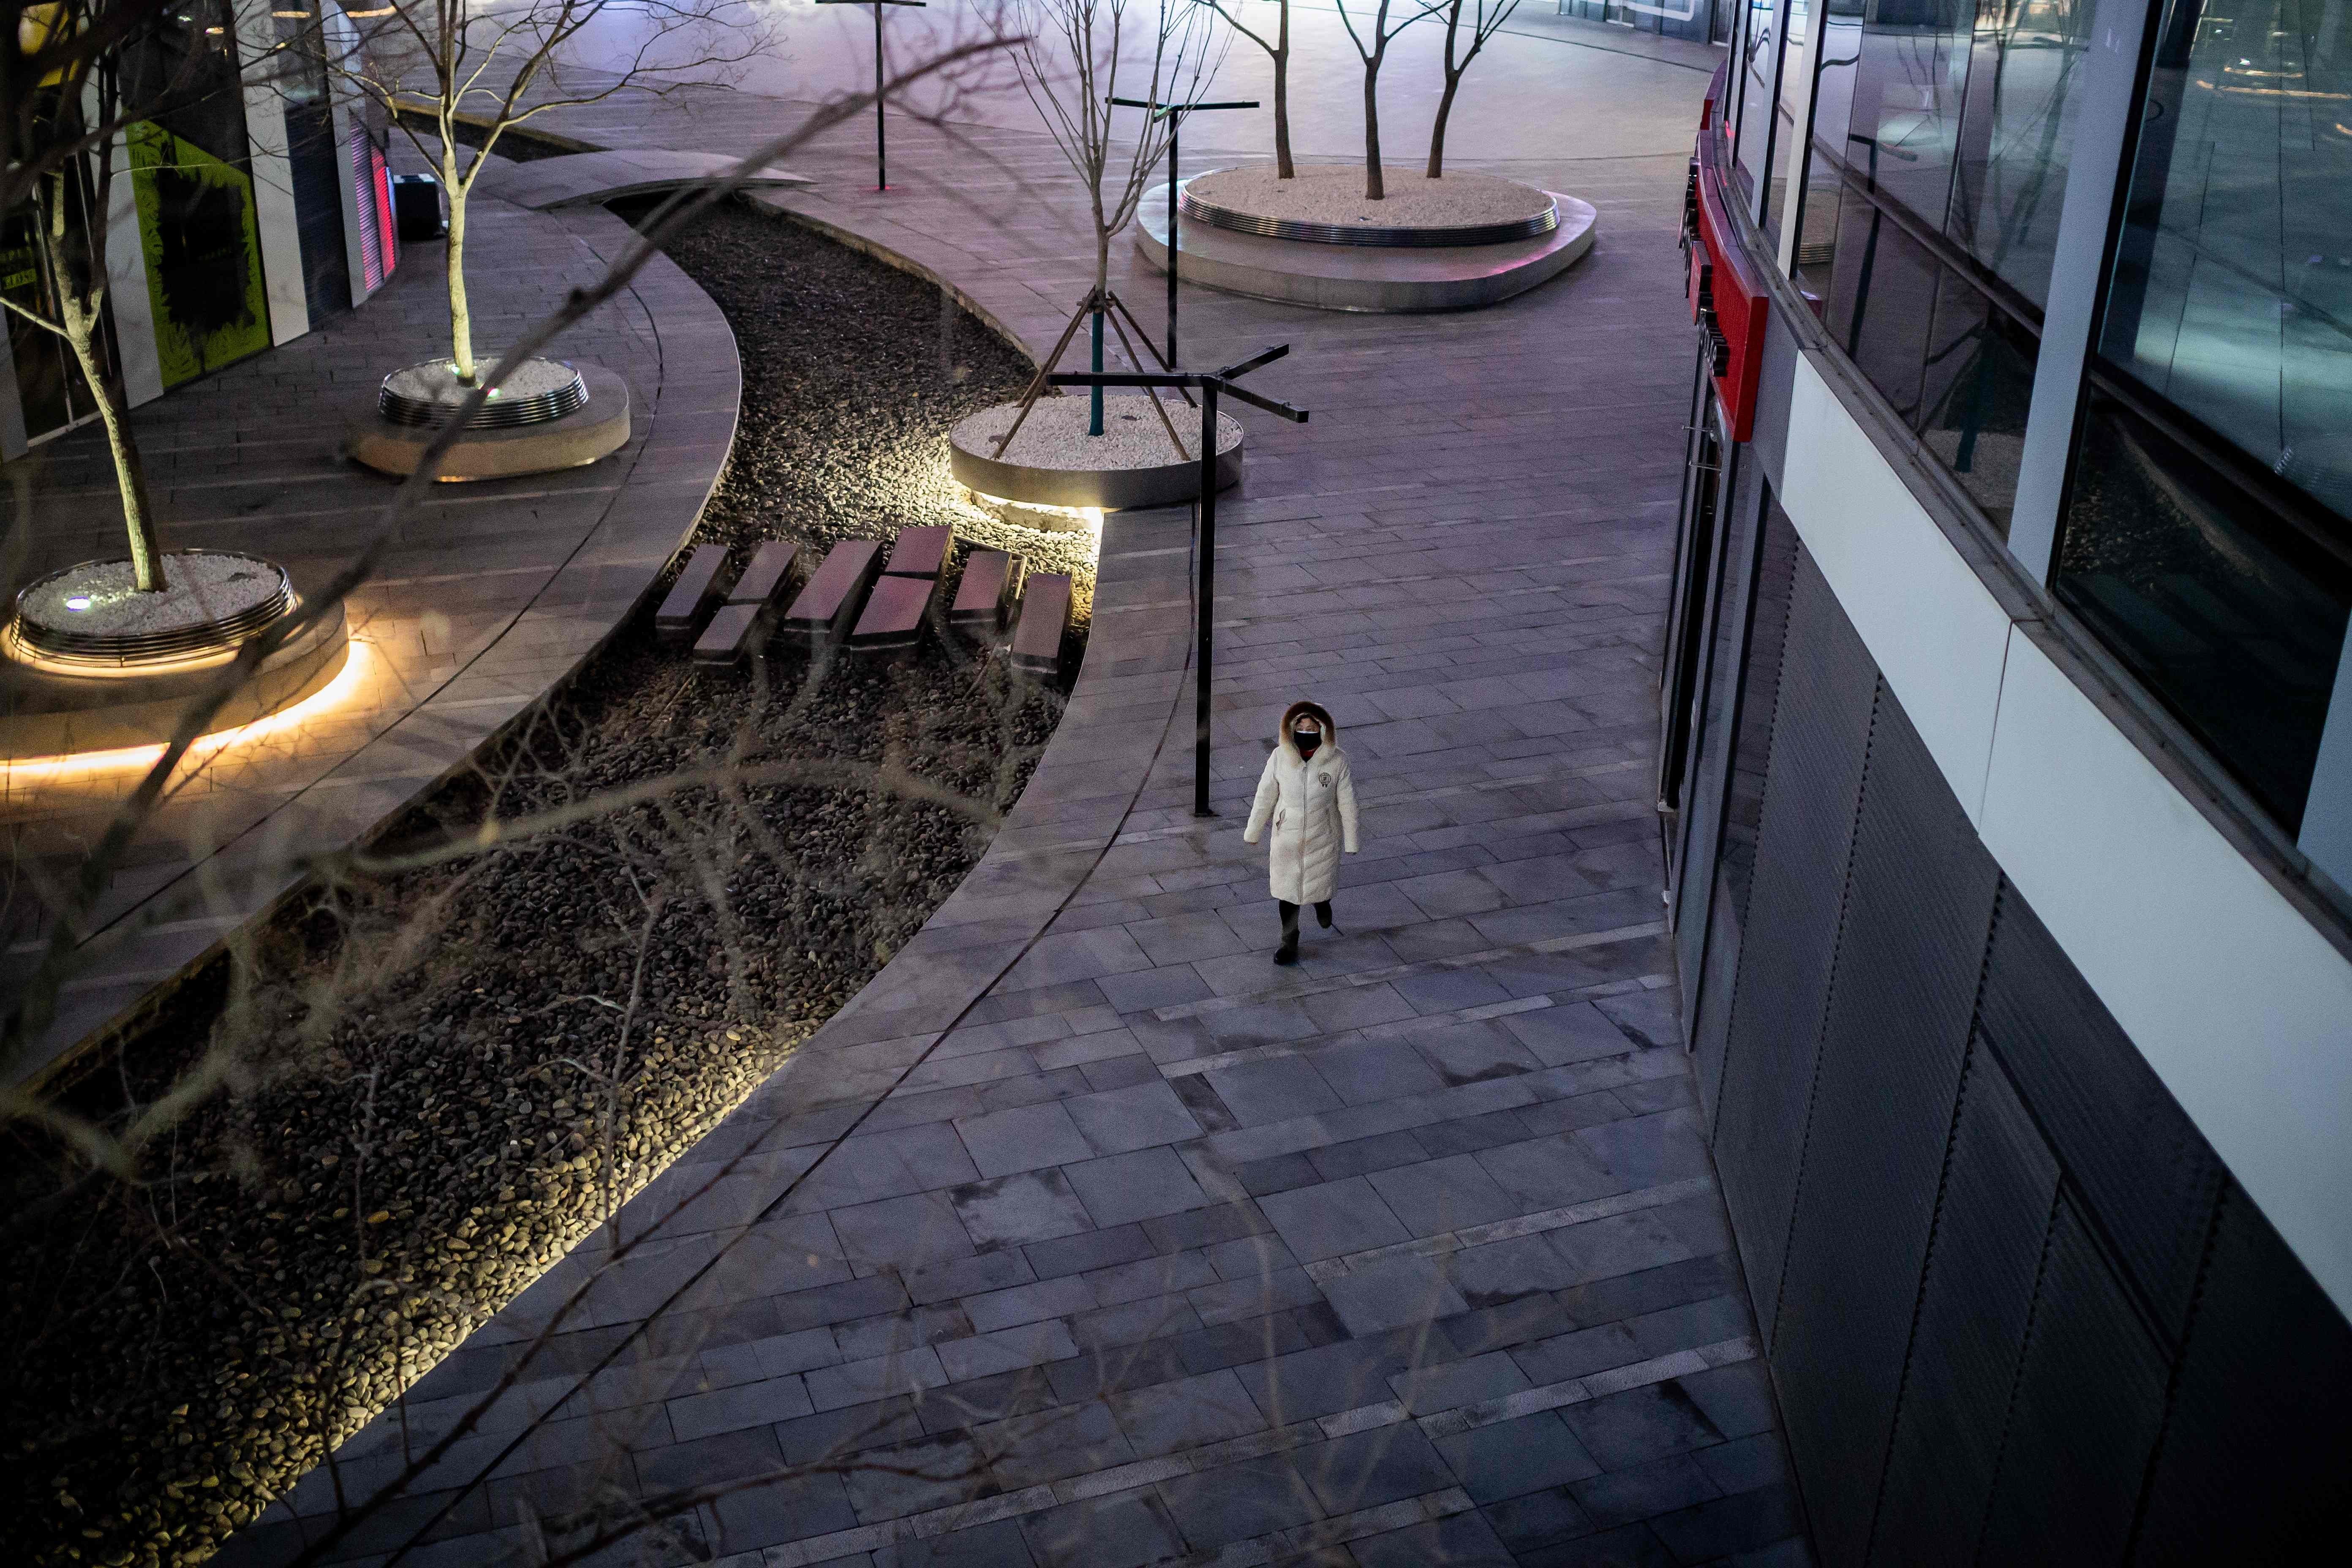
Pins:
<point x="1175" y="119"/>
<point x="881" y="148"/>
<point x="1201" y="662"/>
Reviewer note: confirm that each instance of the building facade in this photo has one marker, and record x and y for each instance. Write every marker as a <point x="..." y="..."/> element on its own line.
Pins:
<point x="253" y="207"/>
<point x="2006" y="766"/>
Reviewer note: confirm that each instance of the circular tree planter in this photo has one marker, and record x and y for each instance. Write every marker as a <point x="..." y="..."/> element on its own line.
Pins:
<point x="1052" y="462"/>
<point x="1325" y="204"/>
<point x="1432" y="245"/>
<point x="91" y="664"/>
<point x="548" y="415"/>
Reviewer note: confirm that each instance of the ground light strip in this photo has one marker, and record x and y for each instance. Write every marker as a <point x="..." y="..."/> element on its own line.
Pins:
<point x="334" y="694"/>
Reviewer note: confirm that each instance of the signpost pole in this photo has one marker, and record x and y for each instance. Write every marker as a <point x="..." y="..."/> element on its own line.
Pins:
<point x="1207" y="616"/>
<point x="1212" y="385"/>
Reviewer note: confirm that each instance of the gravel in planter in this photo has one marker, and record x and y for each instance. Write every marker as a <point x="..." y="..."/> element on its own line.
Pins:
<point x="421" y="1095"/>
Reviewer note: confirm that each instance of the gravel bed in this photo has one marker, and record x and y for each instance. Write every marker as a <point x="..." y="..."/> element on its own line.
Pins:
<point x="1055" y="435"/>
<point x="423" y="1091"/>
<point x="1334" y="193"/>
<point x="199" y="587"/>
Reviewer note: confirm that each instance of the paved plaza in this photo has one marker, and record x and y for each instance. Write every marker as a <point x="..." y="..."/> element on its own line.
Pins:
<point x="491" y="594"/>
<point x="1087" y="1236"/>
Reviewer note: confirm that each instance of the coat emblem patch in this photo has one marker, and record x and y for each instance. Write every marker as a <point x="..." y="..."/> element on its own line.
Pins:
<point x="1323" y="779"/>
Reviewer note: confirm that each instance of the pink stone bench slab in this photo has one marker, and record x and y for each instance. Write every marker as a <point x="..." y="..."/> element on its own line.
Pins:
<point x="742" y="623"/>
<point x="919" y="552"/>
<point x="693" y="595"/>
<point x="770" y="572"/>
<point x="894" y="614"/>
<point x="828" y="606"/>
<point x="1044" y="616"/>
<point x="992" y="579"/>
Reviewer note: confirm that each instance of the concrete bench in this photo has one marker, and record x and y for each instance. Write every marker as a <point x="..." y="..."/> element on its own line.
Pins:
<point x="894" y="614"/>
<point x="771" y="570"/>
<point x="919" y="552"/>
<point x="992" y="580"/>
<point x="828" y="606"/>
<point x="694" y="595"/>
<point x="1044" y="616"/>
<point x="742" y="623"/>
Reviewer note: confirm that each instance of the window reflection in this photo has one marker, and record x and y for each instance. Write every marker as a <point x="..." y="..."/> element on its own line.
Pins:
<point x="1796" y="75"/>
<point x="2232" y="303"/>
<point x="2232" y="294"/>
<point x="2233" y="618"/>
<point x="2023" y="93"/>
<point x="1760" y="54"/>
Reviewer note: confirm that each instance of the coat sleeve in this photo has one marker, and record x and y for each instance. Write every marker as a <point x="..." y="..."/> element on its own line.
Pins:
<point x="1346" y="806"/>
<point x="1268" y="786"/>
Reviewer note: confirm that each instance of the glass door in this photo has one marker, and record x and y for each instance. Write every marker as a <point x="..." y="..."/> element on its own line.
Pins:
<point x="1680" y="687"/>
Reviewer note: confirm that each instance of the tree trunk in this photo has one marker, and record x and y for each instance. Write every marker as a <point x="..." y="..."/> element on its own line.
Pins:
<point x="129" y="470"/>
<point x="1373" y="190"/>
<point x="1284" y="169"/>
<point x="1437" y="131"/>
<point x="461" y="313"/>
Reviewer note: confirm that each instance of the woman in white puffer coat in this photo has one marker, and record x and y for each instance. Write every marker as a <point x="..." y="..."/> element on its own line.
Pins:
<point x="1308" y="796"/>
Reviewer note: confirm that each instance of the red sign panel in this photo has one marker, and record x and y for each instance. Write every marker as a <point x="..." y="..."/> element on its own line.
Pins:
<point x="1727" y="300"/>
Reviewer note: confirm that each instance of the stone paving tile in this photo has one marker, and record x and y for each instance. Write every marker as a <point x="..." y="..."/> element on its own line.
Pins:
<point x="1412" y="1253"/>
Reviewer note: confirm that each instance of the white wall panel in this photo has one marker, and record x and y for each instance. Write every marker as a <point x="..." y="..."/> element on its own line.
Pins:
<point x="1936" y="632"/>
<point x="2241" y="1007"/>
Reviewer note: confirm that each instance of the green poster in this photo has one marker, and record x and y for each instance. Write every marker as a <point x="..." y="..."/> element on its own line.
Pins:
<point x="203" y="246"/>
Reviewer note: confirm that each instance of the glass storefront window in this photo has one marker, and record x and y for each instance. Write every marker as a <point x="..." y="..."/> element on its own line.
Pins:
<point x="2232" y="293"/>
<point x="2233" y="618"/>
<point x="1796" y="75"/>
<point x="1759" y="60"/>
<point x="2231" y="303"/>
<point x="2025" y="71"/>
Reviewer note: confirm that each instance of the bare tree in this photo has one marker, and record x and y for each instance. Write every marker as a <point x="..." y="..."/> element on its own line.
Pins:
<point x="1278" y="49"/>
<point x="1381" y="32"/>
<point x="67" y="127"/>
<point x="1072" y="64"/>
<point x="658" y="843"/>
<point x="456" y="75"/>
<point x="1487" y="19"/>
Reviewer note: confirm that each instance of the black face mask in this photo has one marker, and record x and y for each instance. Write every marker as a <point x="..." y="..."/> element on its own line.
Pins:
<point x="1306" y="740"/>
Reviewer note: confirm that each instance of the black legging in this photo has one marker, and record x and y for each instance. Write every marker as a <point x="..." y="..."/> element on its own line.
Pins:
<point x="1290" y="917"/>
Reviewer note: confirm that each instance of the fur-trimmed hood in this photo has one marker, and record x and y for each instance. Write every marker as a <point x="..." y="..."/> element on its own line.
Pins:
<point x="1290" y="717"/>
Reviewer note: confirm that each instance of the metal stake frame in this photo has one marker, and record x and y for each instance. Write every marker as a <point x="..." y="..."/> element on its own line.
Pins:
<point x="1212" y="385"/>
<point x="881" y="152"/>
<point x="1174" y="115"/>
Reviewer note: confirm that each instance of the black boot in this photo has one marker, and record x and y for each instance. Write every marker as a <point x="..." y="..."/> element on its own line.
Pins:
<point x="1323" y="914"/>
<point x="1289" y="951"/>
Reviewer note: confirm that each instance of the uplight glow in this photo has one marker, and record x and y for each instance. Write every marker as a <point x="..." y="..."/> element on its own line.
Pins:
<point x="334" y="694"/>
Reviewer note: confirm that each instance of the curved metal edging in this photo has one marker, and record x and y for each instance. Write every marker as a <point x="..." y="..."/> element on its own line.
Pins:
<point x="493" y="415"/>
<point x="1385" y="237"/>
<point x="114" y="650"/>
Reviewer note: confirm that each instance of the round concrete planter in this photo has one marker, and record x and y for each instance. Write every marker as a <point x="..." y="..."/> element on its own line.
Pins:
<point x="129" y="684"/>
<point x="1034" y="471"/>
<point x="389" y="442"/>
<point x="1324" y="204"/>
<point x="1399" y="280"/>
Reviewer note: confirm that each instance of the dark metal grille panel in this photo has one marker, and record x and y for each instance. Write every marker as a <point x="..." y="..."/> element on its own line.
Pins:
<point x="2144" y="1172"/>
<point x="2090" y="1396"/>
<point x="1998" y="1186"/>
<point x="1918" y="903"/>
<point x="2255" y="1464"/>
<point x="1818" y="736"/>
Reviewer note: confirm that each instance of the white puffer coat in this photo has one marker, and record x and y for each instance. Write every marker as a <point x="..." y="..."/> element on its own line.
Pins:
<point x="1310" y="804"/>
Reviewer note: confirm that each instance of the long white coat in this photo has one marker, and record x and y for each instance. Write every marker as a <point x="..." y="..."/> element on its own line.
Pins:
<point x="1310" y="804"/>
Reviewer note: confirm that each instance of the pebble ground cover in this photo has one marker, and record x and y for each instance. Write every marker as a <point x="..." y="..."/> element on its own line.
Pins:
<point x="385" y="1112"/>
